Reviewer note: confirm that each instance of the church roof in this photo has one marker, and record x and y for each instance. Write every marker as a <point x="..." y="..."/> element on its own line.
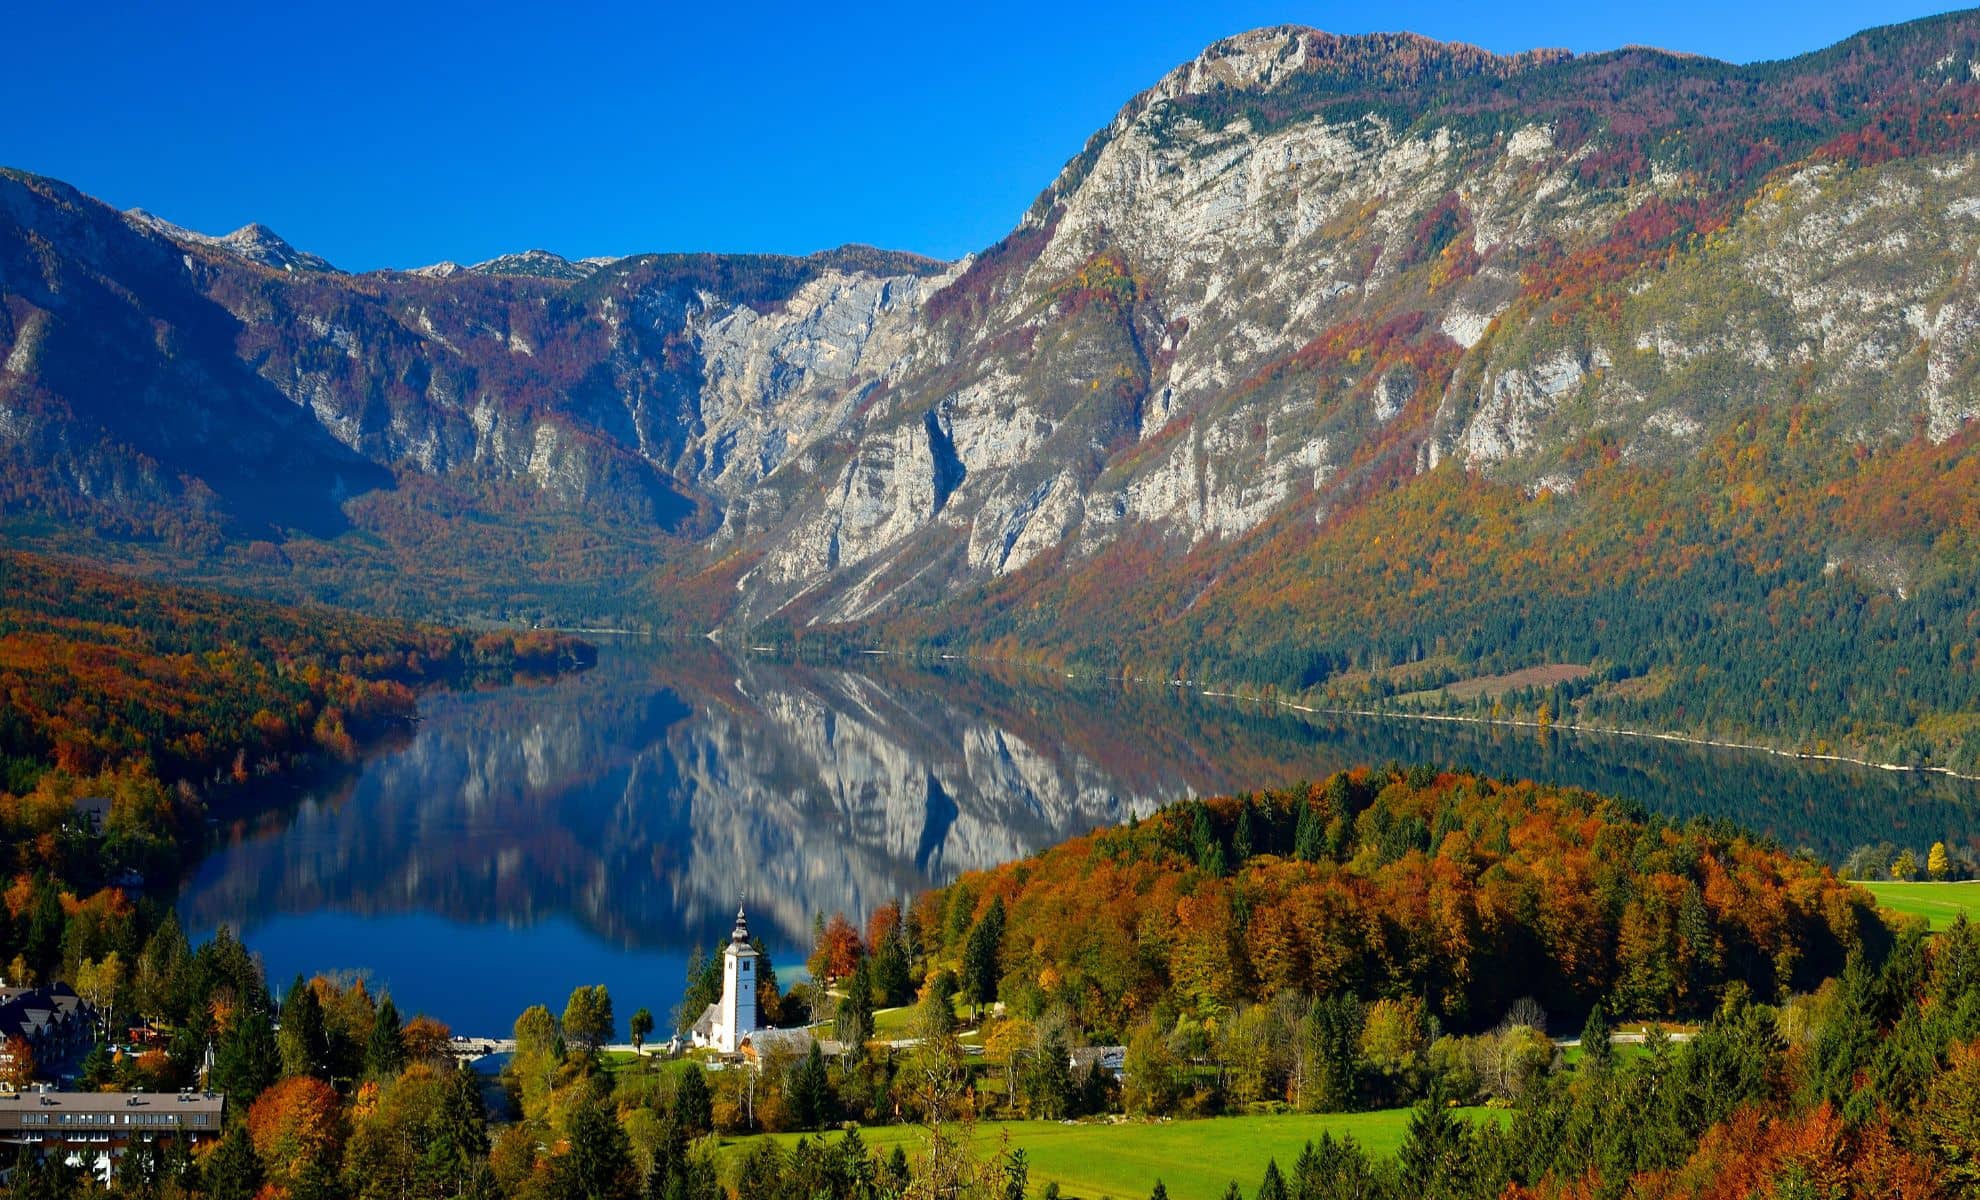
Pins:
<point x="705" y="1027"/>
<point x="740" y="937"/>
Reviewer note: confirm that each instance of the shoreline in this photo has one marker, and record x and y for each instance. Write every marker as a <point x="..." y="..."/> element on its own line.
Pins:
<point x="1204" y="688"/>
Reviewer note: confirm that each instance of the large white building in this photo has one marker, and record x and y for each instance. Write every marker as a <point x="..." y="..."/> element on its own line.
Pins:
<point x="728" y="1022"/>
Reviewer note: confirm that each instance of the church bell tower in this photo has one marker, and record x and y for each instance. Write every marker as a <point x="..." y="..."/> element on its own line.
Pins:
<point x="736" y="1019"/>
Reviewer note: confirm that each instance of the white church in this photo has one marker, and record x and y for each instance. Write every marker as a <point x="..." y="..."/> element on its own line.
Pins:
<point x="726" y="1024"/>
<point x="729" y="1025"/>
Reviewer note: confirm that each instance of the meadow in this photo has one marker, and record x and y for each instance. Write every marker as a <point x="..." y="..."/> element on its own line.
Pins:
<point x="1099" y="1160"/>
<point x="1938" y="903"/>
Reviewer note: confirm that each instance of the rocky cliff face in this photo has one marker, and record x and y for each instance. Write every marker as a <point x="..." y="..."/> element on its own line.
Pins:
<point x="1302" y="282"/>
<point x="610" y="389"/>
<point x="1221" y="314"/>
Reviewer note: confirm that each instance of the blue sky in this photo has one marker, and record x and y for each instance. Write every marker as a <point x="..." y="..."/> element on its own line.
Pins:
<point x="396" y="134"/>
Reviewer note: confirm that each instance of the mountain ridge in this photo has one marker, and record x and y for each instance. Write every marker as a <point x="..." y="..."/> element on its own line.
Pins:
<point x="1329" y="363"/>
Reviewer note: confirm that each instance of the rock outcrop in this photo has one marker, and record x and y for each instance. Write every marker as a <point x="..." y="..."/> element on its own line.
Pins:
<point x="1298" y="272"/>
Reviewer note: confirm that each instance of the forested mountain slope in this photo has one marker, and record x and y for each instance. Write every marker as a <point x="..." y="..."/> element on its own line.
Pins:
<point x="1355" y="364"/>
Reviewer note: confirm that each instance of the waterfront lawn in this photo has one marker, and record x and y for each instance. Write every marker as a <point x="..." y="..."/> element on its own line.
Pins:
<point x="1102" y="1161"/>
<point x="1937" y="903"/>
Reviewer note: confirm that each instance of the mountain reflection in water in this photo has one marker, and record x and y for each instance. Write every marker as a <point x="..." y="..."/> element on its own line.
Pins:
<point x="526" y="840"/>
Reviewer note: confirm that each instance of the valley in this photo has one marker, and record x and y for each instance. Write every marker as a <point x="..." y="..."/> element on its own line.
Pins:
<point x="1410" y="627"/>
<point x="1327" y="359"/>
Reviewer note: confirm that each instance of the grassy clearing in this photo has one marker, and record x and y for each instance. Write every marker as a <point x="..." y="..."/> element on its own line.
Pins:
<point x="1100" y="1161"/>
<point x="896" y="1024"/>
<point x="1937" y="903"/>
<point x="1493" y="686"/>
<point x="621" y="1065"/>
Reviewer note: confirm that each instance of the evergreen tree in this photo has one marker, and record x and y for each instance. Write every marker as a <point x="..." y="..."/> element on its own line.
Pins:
<point x="1160" y="1192"/>
<point x="858" y="1178"/>
<point x="43" y="944"/>
<point x="1049" y="1089"/>
<point x="703" y="988"/>
<point x="480" y="1184"/>
<point x="1433" y="1157"/>
<point x="694" y="1107"/>
<point x="1309" y="833"/>
<point x="853" y="1024"/>
<point x="1017" y="1174"/>
<point x="457" y="1135"/>
<point x="1273" y="1187"/>
<point x="1702" y="955"/>
<point x="46" y="1177"/>
<point x="598" y="1164"/>
<point x="810" y="1091"/>
<point x="385" y="1050"/>
<point x="890" y="971"/>
<point x="232" y="1171"/>
<point x="97" y="1067"/>
<point x="246" y="1061"/>
<point x="1333" y="1034"/>
<point x="808" y="1171"/>
<point x="1848" y="1039"/>
<point x="894" y="1177"/>
<point x="304" y="1041"/>
<point x="761" y="1176"/>
<point x="1332" y="1170"/>
<point x="161" y="971"/>
<point x="981" y="963"/>
<point x="1598" y="1054"/>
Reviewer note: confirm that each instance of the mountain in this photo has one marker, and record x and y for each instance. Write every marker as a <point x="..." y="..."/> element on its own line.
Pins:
<point x="255" y="242"/>
<point x="1353" y="365"/>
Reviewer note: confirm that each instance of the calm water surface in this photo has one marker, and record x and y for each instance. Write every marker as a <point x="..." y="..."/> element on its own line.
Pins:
<point x="595" y="830"/>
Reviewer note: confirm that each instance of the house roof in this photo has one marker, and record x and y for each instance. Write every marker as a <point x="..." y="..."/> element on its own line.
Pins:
<point x="28" y="1012"/>
<point x="768" y="1041"/>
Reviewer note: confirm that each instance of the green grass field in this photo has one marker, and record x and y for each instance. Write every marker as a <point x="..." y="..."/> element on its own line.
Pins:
<point x="1193" y="1159"/>
<point x="621" y="1065"/>
<point x="1938" y="903"/>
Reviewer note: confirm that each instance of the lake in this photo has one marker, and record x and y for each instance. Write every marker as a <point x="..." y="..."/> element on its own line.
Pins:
<point x="526" y="840"/>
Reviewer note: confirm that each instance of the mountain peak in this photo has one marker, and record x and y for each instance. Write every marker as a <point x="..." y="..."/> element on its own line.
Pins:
<point x="254" y="242"/>
<point x="539" y="264"/>
<point x="1262" y="60"/>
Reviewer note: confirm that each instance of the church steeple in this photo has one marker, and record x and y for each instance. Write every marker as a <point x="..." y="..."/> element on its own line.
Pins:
<point x="735" y="1014"/>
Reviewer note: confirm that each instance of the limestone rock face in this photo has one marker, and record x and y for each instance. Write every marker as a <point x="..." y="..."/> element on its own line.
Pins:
<point x="1298" y="270"/>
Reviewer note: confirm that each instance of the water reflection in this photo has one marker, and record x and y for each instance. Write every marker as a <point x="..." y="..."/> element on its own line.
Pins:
<point x="530" y="839"/>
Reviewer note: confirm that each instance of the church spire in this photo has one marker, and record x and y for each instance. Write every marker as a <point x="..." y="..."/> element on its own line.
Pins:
<point x="741" y="935"/>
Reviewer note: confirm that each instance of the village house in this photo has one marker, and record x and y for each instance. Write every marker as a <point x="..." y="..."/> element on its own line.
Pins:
<point x="1110" y="1061"/>
<point x="54" y="1023"/>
